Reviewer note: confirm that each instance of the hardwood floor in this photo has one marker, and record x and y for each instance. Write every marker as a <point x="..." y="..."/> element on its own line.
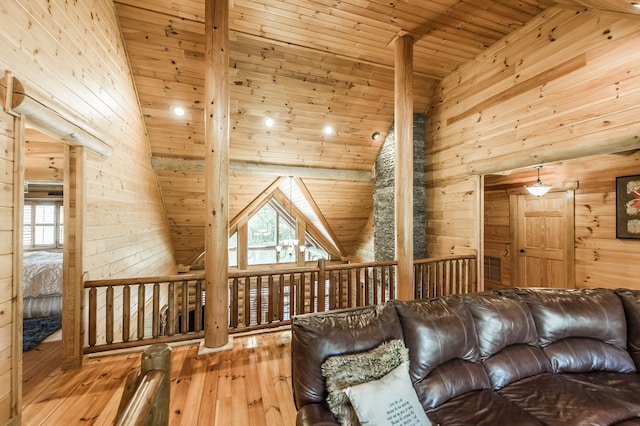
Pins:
<point x="249" y="385"/>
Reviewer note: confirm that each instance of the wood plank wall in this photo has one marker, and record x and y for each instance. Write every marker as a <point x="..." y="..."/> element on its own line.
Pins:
<point x="568" y="78"/>
<point x="10" y="351"/>
<point x="601" y="260"/>
<point x="73" y="53"/>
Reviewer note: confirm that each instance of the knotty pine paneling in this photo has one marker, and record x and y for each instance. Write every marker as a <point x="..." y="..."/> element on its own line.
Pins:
<point x="568" y="78"/>
<point x="72" y="54"/>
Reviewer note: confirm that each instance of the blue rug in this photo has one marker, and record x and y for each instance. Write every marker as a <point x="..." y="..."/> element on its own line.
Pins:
<point x="35" y="330"/>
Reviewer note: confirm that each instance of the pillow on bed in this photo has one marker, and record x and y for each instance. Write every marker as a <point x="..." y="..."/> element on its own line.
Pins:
<point x="390" y="400"/>
<point x="343" y="371"/>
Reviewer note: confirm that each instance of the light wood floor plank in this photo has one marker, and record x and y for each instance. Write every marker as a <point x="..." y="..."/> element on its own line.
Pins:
<point x="248" y="385"/>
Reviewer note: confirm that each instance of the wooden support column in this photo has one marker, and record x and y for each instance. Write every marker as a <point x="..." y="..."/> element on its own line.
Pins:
<point x="216" y="329"/>
<point x="243" y="244"/>
<point x="301" y="229"/>
<point x="73" y="288"/>
<point x="403" y="118"/>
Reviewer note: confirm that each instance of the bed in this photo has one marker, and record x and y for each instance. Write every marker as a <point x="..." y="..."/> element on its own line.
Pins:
<point x="42" y="284"/>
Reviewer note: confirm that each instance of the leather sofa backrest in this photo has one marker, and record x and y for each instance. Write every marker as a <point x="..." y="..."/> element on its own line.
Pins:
<point x="631" y="302"/>
<point x="443" y="348"/>
<point x="314" y="337"/>
<point x="507" y="337"/>
<point x="581" y="330"/>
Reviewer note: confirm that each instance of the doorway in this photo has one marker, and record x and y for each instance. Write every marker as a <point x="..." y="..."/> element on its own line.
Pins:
<point x="43" y="241"/>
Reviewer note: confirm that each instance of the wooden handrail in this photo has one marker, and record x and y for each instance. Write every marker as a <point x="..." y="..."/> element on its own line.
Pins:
<point x="142" y="280"/>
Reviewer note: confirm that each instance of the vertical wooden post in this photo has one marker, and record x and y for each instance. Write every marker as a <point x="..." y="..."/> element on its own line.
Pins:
<point x="15" y="347"/>
<point x="73" y="287"/>
<point x="243" y="244"/>
<point x="403" y="89"/>
<point x="216" y="329"/>
<point x="301" y="228"/>
<point x="158" y="357"/>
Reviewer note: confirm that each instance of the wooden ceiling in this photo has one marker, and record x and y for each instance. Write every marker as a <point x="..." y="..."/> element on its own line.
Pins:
<point x="306" y="64"/>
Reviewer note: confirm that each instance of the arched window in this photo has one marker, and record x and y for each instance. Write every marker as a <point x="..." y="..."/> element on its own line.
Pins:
<point x="269" y="231"/>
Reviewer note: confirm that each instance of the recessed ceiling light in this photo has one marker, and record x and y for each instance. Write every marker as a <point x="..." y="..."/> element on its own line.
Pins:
<point x="328" y="130"/>
<point x="178" y="111"/>
<point x="375" y="136"/>
<point x="269" y="122"/>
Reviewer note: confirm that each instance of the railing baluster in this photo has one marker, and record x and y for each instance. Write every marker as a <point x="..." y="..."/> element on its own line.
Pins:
<point x="155" y="320"/>
<point x="235" y="302"/>
<point x="350" y="288"/>
<point x="109" y="308"/>
<point x="322" y="286"/>
<point x="312" y="292"/>
<point x="281" y="304"/>
<point x="302" y="292"/>
<point x="93" y="312"/>
<point x="247" y="301"/>
<point x="184" y="307"/>
<point x="197" y="317"/>
<point x="259" y="300"/>
<point x="367" y="293"/>
<point x="126" y="312"/>
<point x="273" y="297"/>
<point x="171" y="309"/>
<point x="392" y="287"/>
<point x="140" y="332"/>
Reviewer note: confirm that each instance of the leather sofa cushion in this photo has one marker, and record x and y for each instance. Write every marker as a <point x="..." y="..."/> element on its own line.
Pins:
<point x="623" y="387"/>
<point x="514" y="363"/>
<point x="555" y="400"/>
<point x="449" y="380"/>
<point x="580" y="355"/>
<point x="631" y="302"/>
<point x="500" y="321"/>
<point x="314" y="337"/>
<point x="480" y="408"/>
<point x="443" y="349"/>
<point x="592" y="313"/>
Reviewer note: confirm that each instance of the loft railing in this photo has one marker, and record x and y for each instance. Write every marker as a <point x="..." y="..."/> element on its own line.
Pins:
<point x="169" y="309"/>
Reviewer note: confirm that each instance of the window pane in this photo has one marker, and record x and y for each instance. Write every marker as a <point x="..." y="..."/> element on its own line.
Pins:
<point x="44" y="235"/>
<point x="262" y="227"/>
<point x="286" y="231"/>
<point x="233" y="249"/>
<point x="262" y="256"/>
<point x="45" y="214"/>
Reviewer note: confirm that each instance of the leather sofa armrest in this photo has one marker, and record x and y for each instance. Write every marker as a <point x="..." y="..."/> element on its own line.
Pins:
<point x="315" y="414"/>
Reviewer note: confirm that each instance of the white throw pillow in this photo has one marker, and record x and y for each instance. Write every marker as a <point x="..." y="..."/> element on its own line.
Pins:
<point x="388" y="401"/>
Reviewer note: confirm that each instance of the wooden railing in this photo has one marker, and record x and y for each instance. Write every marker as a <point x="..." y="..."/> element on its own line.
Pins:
<point x="168" y="309"/>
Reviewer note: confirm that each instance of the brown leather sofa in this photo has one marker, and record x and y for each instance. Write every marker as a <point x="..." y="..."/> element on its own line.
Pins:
<point x="506" y="357"/>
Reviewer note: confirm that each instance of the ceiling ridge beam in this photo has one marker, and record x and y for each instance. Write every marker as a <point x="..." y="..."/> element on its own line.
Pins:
<point x="269" y="169"/>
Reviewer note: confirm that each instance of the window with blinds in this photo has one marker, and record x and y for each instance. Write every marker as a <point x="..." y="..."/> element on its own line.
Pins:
<point x="43" y="225"/>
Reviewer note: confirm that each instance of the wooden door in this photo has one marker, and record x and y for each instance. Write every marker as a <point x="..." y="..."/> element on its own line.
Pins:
<point x="542" y="240"/>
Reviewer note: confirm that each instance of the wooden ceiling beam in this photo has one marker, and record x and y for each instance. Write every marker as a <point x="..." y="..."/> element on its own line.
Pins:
<point x="197" y="165"/>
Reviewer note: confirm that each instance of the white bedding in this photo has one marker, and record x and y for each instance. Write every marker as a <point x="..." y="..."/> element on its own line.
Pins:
<point x="42" y="274"/>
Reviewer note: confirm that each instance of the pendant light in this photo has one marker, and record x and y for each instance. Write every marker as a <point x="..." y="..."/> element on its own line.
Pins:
<point x="538" y="188"/>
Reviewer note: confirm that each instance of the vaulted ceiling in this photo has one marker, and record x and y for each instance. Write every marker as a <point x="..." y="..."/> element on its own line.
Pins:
<point x="306" y="64"/>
